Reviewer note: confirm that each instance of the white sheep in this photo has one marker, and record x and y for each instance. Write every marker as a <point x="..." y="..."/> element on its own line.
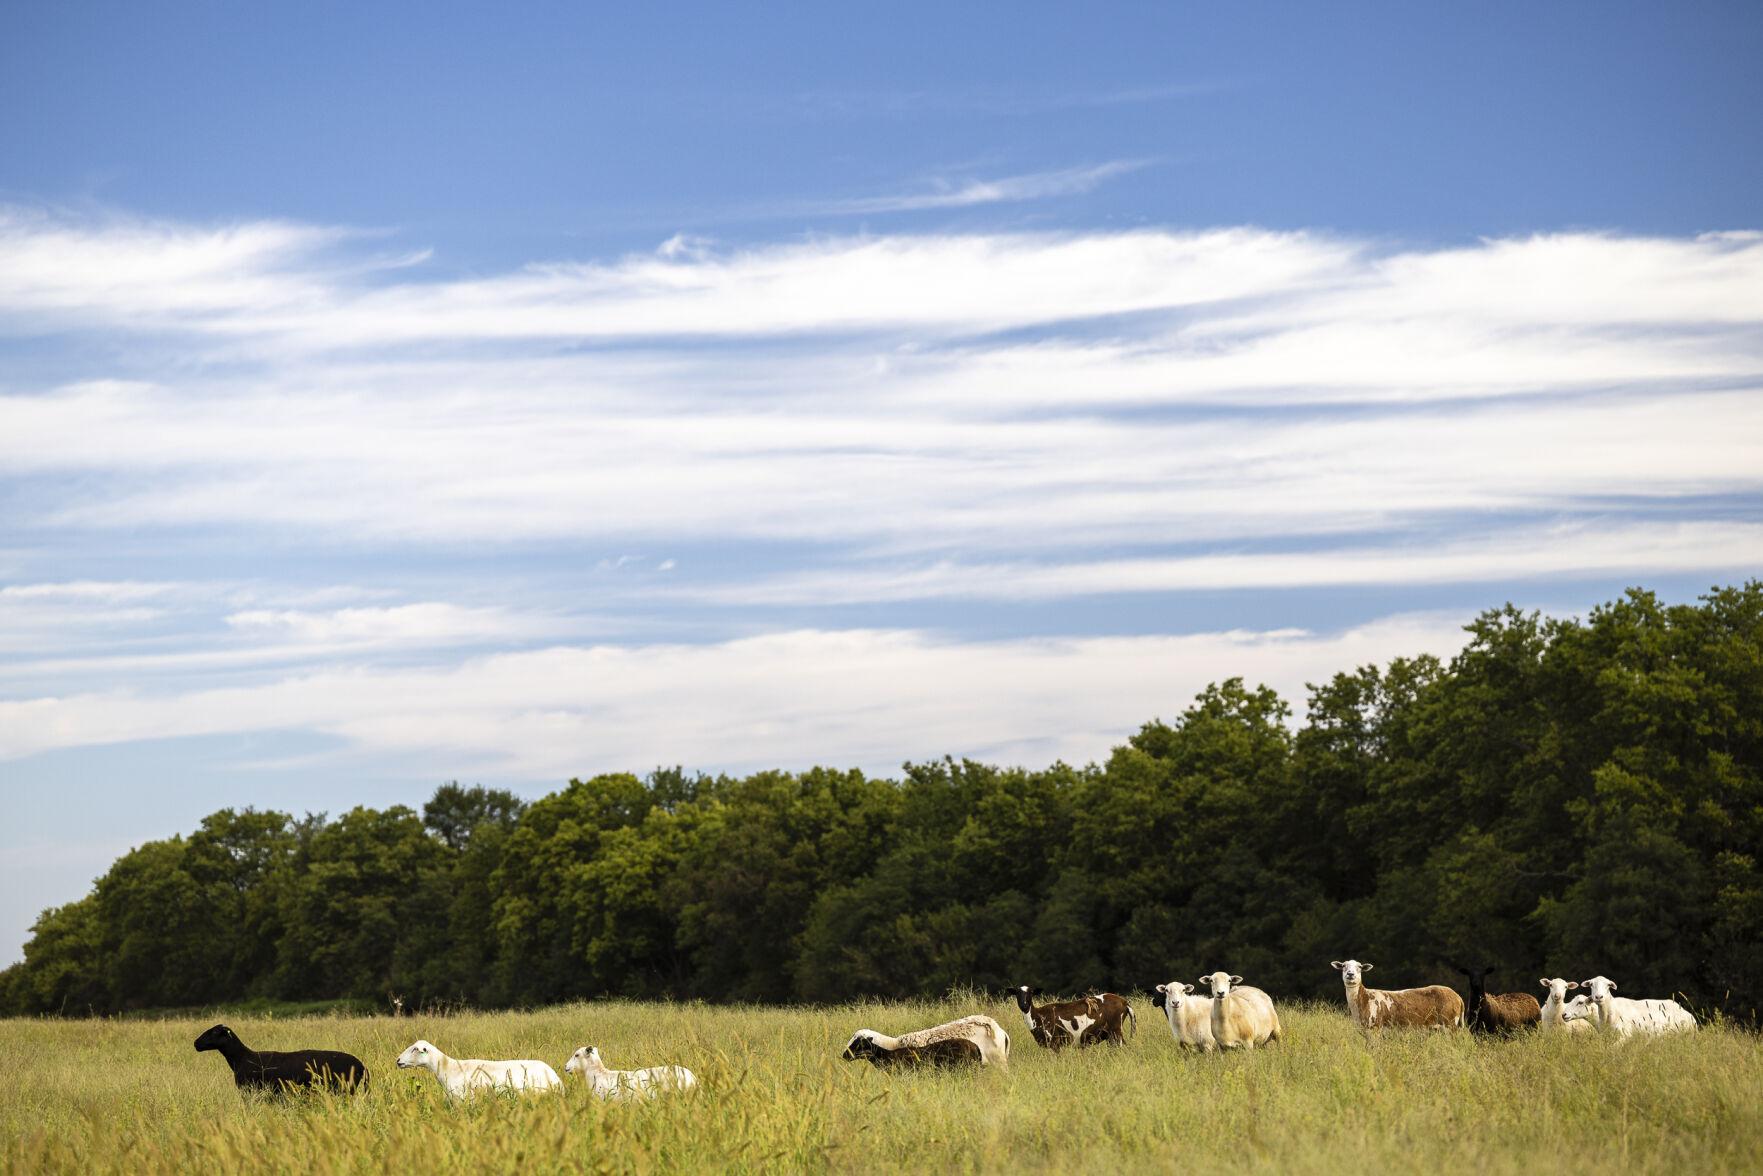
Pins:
<point x="626" y="1084"/>
<point x="463" y="1077"/>
<point x="1190" y="1017"/>
<point x="1555" y="1005"/>
<point x="1625" y="1017"/>
<point x="1242" y="1017"/>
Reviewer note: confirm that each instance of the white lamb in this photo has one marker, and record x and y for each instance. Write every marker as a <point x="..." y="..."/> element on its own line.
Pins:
<point x="464" y="1077"/>
<point x="626" y="1084"/>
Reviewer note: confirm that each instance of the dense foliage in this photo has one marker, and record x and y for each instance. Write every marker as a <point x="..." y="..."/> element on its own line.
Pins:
<point x="1564" y="797"/>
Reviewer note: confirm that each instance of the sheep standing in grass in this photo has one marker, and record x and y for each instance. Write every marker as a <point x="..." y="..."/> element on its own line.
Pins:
<point x="1190" y="1016"/>
<point x="626" y="1084"/>
<point x="978" y="1040"/>
<point x="1503" y="1012"/>
<point x="1553" y="1018"/>
<point x="1626" y="1017"/>
<point x="463" y="1077"/>
<point x="1242" y="1017"/>
<point x="1431" y="1007"/>
<point x="295" y="1069"/>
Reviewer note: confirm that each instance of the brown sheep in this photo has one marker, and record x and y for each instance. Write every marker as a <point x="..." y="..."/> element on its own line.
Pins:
<point x="1506" y="1012"/>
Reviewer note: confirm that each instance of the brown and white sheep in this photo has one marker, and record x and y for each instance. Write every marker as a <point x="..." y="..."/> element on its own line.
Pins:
<point x="1099" y="1017"/>
<point x="1431" y="1007"/>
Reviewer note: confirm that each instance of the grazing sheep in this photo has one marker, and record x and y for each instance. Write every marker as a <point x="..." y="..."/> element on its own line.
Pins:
<point x="1555" y="1005"/>
<point x="1431" y="1007"/>
<point x="1190" y="1017"/>
<point x="463" y="1077"/>
<point x="977" y="1039"/>
<point x="1505" y="1012"/>
<point x="1626" y="1017"/>
<point x="302" y="1068"/>
<point x="626" y="1084"/>
<point x="1087" y="1020"/>
<point x="1242" y="1017"/>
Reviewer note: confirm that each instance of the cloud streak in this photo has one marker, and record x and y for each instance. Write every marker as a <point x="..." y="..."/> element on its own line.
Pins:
<point x="946" y="193"/>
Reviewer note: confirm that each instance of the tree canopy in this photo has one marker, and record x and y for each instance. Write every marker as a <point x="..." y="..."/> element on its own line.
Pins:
<point x="1562" y="797"/>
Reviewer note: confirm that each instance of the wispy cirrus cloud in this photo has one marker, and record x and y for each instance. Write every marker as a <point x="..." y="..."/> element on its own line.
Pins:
<point x="862" y="697"/>
<point x="968" y="193"/>
<point x="907" y="422"/>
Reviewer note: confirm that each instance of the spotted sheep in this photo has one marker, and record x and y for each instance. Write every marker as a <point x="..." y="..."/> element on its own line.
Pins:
<point x="464" y="1077"/>
<point x="1099" y="1017"/>
<point x="281" y="1072"/>
<point x="1505" y="1012"/>
<point x="976" y="1040"/>
<point x="1242" y="1017"/>
<point x="608" y="1083"/>
<point x="1554" y="1018"/>
<point x="1626" y="1018"/>
<point x="1431" y="1007"/>
<point x="1190" y="1016"/>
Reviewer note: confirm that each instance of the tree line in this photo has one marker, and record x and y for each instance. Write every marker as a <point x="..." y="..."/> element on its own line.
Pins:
<point x="1564" y="796"/>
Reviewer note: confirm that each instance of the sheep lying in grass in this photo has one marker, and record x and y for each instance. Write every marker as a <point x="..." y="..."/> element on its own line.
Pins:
<point x="463" y="1077"/>
<point x="978" y="1039"/>
<point x="1554" y="1017"/>
<point x="295" y="1069"/>
<point x="626" y="1084"/>
<point x="1626" y="1017"/>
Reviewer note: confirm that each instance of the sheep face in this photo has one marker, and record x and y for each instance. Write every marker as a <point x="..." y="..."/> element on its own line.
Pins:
<point x="1025" y="994"/>
<point x="585" y="1060"/>
<point x="1352" y="971"/>
<point x="1220" y="983"/>
<point x="1173" y="997"/>
<point x="862" y="1045"/>
<point x="1599" y="986"/>
<point x="218" y="1037"/>
<point x="1557" y="988"/>
<point x="420" y="1055"/>
<point x="1579" y="1008"/>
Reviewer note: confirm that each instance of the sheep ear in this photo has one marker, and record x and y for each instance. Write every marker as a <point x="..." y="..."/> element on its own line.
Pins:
<point x="1544" y="982"/>
<point x="1236" y="979"/>
<point x="1187" y="987"/>
<point x="1162" y="988"/>
<point x="1367" y="967"/>
<point x="1335" y="964"/>
<point x="1573" y="984"/>
<point x="1613" y="986"/>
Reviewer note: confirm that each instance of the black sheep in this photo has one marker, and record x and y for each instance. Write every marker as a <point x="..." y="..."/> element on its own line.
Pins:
<point x="302" y="1068"/>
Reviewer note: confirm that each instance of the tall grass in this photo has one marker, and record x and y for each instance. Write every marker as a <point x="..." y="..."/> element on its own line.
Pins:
<point x="133" y="1096"/>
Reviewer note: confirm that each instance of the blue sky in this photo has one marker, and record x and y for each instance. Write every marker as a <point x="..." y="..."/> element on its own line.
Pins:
<point x="392" y="394"/>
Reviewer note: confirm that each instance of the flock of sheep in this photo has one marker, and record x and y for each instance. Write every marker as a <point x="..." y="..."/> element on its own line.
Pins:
<point x="459" y="1077"/>
<point x="1233" y="1015"/>
<point x="1229" y="1015"/>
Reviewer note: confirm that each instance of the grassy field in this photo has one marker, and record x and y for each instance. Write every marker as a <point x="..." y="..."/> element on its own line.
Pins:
<point x="133" y="1096"/>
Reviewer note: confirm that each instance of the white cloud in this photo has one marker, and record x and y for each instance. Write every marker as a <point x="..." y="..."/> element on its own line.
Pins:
<point x="863" y="697"/>
<point x="944" y="193"/>
<point x="1584" y="550"/>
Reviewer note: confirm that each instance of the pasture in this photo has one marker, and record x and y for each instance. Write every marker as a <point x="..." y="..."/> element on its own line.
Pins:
<point x="134" y="1096"/>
